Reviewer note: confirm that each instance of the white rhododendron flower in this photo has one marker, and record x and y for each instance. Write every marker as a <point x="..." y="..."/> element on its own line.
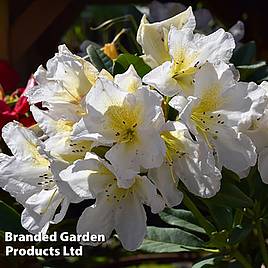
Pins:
<point x="153" y="37"/>
<point x="189" y="52"/>
<point x="115" y="208"/>
<point x="59" y="131"/>
<point x="185" y="160"/>
<point x="215" y="111"/>
<point x="258" y="132"/>
<point x="27" y="176"/>
<point x="67" y="80"/>
<point x="130" y="123"/>
<point x="129" y="80"/>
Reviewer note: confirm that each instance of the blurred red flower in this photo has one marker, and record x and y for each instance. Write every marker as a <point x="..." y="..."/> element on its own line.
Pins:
<point x="21" y="111"/>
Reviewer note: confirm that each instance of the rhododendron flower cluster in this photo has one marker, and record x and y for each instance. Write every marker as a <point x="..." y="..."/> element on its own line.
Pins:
<point x="109" y="138"/>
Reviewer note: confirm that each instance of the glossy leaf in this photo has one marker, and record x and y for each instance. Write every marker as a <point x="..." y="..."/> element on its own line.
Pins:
<point x="207" y="263"/>
<point x="10" y="219"/>
<point x="123" y="61"/>
<point x="254" y="72"/>
<point x="223" y="216"/>
<point x="245" y="54"/>
<point x="239" y="233"/>
<point x="170" y="240"/>
<point x="181" y="218"/>
<point x="99" y="59"/>
<point x="231" y="196"/>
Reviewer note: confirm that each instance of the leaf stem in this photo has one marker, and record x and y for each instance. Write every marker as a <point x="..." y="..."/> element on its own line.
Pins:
<point x="121" y="47"/>
<point x="239" y="257"/>
<point x="238" y="217"/>
<point x="209" y="228"/>
<point x="262" y="242"/>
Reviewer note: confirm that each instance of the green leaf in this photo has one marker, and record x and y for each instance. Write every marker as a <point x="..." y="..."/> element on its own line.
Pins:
<point x="229" y="175"/>
<point x="239" y="233"/>
<point x="181" y="218"/>
<point x="208" y="263"/>
<point x="218" y="239"/>
<point x="123" y="61"/>
<point x="223" y="216"/>
<point x="99" y="59"/>
<point x="100" y="150"/>
<point x="254" y="72"/>
<point x="170" y="240"/>
<point x="231" y="196"/>
<point x="245" y="54"/>
<point x="10" y="219"/>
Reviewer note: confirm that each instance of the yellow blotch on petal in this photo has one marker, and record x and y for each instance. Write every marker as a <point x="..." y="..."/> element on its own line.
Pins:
<point x="211" y="100"/>
<point x="123" y="120"/>
<point x="174" y="144"/>
<point x="37" y="158"/>
<point x="64" y="126"/>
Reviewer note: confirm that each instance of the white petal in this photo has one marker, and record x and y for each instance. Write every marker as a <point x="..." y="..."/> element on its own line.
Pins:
<point x="205" y="79"/>
<point x="130" y="216"/>
<point x="20" y="183"/>
<point x="44" y="201"/>
<point x="125" y="162"/>
<point x="178" y="103"/>
<point x="262" y="165"/>
<point x="147" y="193"/>
<point x="97" y="219"/>
<point x="62" y="147"/>
<point x="216" y="46"/>
<point x="151" y="151"/>
<point x="22" y="142"/>
<point x="40" y="210"/>
<point x="66" y="111"/>
<point x="68" y="78"/>
<point x="181" y="41"/>
<point x="104" y="94"/>
<point x="47" y="123"/>
<point x="30" y="221"/>
<point x="238" y="30"/>
<point x="92" y="127"/>
<point x="63" y="210"/>
<point x="129" y="81"/>
<point x="160" y="79"/>
<point x="75" y="73"/>
<point x="164" y="181"/>
<point x="200" y="175"/>
<point x="44" y="91"/>
<point x="152" y="36"/>
<point x="87" y="177"/>
<point x="234" y="150"/>
<point x="150" y="101"/>
<point x="63" y="187"/>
